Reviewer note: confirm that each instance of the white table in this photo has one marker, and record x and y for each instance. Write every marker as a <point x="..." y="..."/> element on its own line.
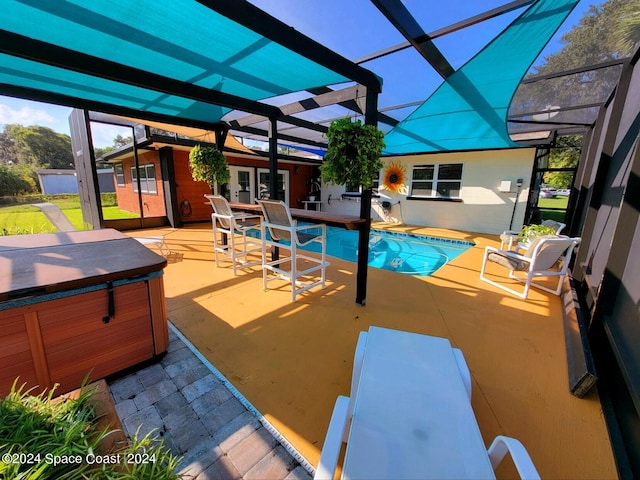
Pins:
<point x="412" y="417"/>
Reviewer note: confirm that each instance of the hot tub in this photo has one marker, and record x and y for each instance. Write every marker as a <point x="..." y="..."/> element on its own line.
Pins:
<point x="78" y="303"/>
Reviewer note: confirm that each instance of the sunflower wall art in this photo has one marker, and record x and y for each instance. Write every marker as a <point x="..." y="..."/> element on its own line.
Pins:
<point x="394" y="177"/>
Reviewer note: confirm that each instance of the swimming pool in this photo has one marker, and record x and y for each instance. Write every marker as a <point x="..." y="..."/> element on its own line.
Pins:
<point x="406" y="253"/>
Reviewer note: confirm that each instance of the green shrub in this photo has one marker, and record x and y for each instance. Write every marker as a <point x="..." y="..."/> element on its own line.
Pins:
<point x="16" y="180"/>
<point x="36" y="431"/>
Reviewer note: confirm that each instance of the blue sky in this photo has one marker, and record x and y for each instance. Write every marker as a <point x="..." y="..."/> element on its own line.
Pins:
<point x="338" y="24"/>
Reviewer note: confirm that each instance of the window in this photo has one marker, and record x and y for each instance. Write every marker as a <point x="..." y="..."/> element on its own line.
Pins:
<point x="436" y="181"/>
<point x="119" y="170"/>
<point x="147" y="178"/>
<point x="356" y="189"/>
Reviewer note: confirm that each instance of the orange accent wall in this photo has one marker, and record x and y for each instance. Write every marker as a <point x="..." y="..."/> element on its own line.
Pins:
<point x="190" y="194"/>
<point x="152" y="203"/>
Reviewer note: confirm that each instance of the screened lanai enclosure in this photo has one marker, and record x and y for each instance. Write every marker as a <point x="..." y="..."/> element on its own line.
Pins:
<point x="234" y="70"/>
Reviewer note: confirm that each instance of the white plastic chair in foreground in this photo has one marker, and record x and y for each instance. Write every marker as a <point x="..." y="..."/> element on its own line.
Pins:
<point x="229" y="225"/>
<point x="340" y="422"/>
<point x="282" y="228"/>
<point x="62" y="223"/>
<point x="548" y="256"/>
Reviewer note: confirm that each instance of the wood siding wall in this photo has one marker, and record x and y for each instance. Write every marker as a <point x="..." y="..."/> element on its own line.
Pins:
<point x="152" y="203"/>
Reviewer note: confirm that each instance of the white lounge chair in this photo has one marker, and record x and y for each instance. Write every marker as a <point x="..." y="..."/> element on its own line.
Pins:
<point x="547" y="256"/>
<point x="62" y="223"/>
<point x="282" y="228"/>
<point x="511" y="237"/>
<point x="521" y="459"/>
<point x="340" y="422"/>
<point x="229" y="225"/>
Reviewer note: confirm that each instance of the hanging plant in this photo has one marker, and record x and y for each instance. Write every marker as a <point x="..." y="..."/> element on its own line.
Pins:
<point x="394" y="178"/>
<point x="353" y="153"/>
<point x="209" y="165"/>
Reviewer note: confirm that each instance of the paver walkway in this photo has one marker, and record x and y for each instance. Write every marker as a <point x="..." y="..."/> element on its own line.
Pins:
<point x="204" y="419"/>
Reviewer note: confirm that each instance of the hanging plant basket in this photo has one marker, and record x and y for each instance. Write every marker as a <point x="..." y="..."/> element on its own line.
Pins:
<point x="353" y="154"/>
<point x="208" y="164"/>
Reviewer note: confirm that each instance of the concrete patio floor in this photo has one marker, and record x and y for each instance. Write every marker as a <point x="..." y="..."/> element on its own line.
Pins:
<point x="291" y="361"/>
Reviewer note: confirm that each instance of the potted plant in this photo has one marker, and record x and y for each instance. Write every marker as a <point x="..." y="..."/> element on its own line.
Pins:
<point x="353" y="154"/>
<point x="529" y="232"/>
<point x="209" y="165"/>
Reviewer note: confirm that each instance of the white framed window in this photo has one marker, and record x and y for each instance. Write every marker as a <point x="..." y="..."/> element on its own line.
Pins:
<point x="147" y="178"/>
<point x="119" y="171"/>
<point x="436" y="181"/>
<point x="357" y="189"/>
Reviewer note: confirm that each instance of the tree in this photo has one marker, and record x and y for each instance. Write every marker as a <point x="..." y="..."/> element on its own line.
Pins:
<point x="566" y="154"/>
<point x="8" y="154"/>
<point x="121" y="141"/>
<point x="608" y="31"/>
<point x="37" y="146"/>
<point x="626" y="36"/>
<point x="16" y="180"/>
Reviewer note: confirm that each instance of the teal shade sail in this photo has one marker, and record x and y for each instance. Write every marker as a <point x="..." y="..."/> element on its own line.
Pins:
<point x="183" y="40"/>
<point x="469" y="109"/>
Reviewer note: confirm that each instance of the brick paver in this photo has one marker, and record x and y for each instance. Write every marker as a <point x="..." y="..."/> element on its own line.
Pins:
<point x="201" y="420"/>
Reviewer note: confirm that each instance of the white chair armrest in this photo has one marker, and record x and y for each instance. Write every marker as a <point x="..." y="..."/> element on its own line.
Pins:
<point x="333" y="440"/>
<point x="509" y="253"/>
<point x="499" y="448"/>
<point x="244" y="216"/>
<point x="464" y="370"/>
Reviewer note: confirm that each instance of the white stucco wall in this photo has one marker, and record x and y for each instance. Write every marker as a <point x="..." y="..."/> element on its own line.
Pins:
<point x="483" y="209"/>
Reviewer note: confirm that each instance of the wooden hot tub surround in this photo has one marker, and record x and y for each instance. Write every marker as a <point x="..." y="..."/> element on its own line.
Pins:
<point x="78" y="302"/>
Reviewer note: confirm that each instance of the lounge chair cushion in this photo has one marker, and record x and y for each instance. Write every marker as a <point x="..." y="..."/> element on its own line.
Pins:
<point x="508" y="261"/>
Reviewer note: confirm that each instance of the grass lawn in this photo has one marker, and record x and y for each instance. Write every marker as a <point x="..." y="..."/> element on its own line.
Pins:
<point x="25" y="219"/>
<point x="557" y="202"/>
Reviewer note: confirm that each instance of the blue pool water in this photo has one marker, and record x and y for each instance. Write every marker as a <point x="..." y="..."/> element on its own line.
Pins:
<point x="401" y="252"/>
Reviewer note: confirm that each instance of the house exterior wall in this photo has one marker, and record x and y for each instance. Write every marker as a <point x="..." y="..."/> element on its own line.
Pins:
<point x="193" y="207"/>
<point x="152" y="203"/>
<point x="481" y="208"/>
<point x="190" y="194"/>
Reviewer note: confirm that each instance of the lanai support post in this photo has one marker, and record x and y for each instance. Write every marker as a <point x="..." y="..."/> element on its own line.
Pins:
<point x="273" y="170"/>
<point x="370" y="118"/>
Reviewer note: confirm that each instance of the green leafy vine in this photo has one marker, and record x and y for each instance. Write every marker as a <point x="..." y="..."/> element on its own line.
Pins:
<point x="353" y="153"/>
<point x="209" y="165"/>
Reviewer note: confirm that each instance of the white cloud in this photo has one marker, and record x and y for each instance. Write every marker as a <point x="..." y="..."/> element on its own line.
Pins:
<point x="24" y="116"/>
<point x="103" y="134"/>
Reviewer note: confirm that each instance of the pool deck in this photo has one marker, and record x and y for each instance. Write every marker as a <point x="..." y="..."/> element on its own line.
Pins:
<point x="291" y="361"/>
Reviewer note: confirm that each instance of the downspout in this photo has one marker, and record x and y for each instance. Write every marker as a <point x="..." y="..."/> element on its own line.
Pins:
<point x="137" y="166"/>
